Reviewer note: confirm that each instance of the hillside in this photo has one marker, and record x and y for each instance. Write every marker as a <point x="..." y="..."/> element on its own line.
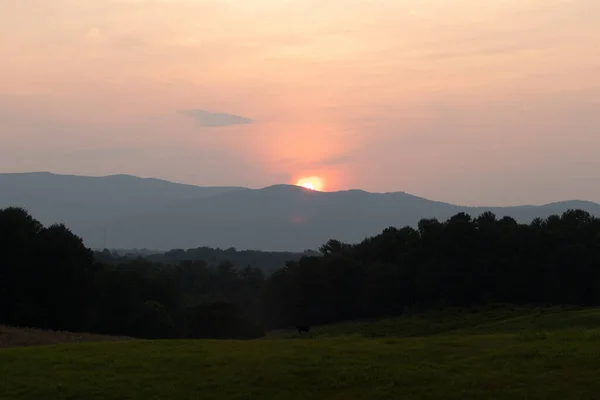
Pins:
<point x="18" y="337"/>
<point x="86" y="203"/>
<point x="553" y="361"/>
<point x="491" y="319"/>
<point x="130" y="212"/>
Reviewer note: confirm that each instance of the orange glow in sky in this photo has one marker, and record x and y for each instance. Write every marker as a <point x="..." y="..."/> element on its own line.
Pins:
<point x="382" y="95"/>
<point x="312" y="183"/>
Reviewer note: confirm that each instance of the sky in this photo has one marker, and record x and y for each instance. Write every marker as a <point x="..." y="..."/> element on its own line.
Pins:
<point x="493" y="102"/>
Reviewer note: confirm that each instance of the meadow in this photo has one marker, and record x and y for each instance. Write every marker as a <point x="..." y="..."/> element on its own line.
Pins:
<point x="493" y="353"/>
<point x="16" y="337"/>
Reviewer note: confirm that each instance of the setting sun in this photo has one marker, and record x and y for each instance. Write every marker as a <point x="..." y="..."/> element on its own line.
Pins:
<point x="312" y="183"/>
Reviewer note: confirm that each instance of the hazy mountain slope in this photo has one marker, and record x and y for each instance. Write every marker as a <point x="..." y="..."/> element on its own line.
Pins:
<point x="150" y="213"/>
<point x="290" y="218"/>
<point x="82" y="202"/>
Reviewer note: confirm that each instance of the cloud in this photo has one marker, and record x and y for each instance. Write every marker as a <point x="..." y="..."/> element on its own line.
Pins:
<point x="211" y="119"/>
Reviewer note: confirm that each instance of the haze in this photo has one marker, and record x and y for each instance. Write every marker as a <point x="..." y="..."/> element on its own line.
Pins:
<point x="468" y="101"/>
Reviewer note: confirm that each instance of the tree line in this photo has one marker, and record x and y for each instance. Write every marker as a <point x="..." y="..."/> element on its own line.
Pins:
<point x="50" y="280"/>
<point x="462" y="262"/>
<point x="267" y="261"/>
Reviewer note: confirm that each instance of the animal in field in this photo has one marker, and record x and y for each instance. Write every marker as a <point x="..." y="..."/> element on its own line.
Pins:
<point x="303" y="328"/>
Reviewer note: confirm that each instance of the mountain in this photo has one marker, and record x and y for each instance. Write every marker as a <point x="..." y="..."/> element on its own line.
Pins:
<point x="85" y="203"/>
<point x="129" y="212"/>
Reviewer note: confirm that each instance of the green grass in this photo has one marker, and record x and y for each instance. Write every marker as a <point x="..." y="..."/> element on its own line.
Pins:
<point x="495" y="354"/>
<point x="13" y="337"/>
<point x="492" y="319"/>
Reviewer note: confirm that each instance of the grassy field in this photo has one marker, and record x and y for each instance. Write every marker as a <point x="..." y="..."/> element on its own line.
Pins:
<point x="13" y="337"/>
<point x="491" y="354"/>
<point x="489" y="320"/>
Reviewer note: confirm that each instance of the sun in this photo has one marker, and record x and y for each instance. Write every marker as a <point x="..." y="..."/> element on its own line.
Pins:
<point x="311" y="183"/>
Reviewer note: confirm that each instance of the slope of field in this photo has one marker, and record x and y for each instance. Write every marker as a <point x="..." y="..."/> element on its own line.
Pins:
<point x="504" y="359"/>
<point x="490" y="319"/>
<point x="16" y="337"/>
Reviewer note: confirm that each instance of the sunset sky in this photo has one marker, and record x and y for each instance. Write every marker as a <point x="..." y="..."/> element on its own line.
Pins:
<point x="475" y="102"/>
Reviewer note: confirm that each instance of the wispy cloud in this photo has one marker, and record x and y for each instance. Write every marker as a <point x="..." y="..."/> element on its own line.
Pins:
<point x="213" y="119"/>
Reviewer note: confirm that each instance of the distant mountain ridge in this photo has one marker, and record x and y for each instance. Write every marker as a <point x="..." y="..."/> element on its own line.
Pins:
<point x="123" y="211"/>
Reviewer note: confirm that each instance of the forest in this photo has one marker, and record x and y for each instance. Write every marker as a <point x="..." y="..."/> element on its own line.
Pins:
<point x="50" y="280"/>
<point x="266" y="261"/>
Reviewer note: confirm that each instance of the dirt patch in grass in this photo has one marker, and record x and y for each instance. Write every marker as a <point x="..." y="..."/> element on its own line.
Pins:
<point x="17" y="337"/>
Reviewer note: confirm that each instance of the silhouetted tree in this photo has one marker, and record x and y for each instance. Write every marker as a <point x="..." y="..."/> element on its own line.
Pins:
<point x="49" y="279"/>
